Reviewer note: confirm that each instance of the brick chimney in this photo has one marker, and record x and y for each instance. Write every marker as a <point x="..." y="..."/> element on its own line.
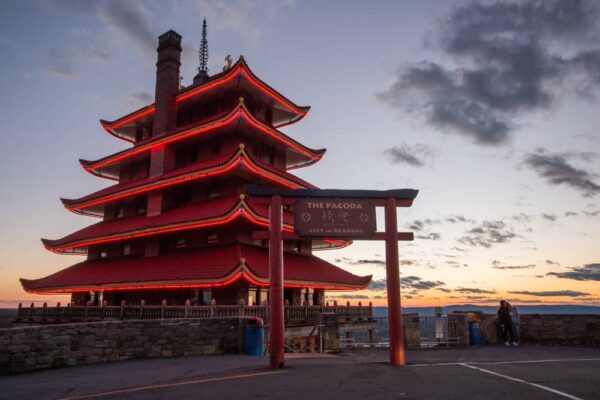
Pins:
<point x="167" y="82"/>
<point x="165" y="117"/>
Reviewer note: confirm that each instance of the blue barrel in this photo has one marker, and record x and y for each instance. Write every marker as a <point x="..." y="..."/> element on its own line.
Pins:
<point x="253" y="340"/>
<point x="474" y="333"/>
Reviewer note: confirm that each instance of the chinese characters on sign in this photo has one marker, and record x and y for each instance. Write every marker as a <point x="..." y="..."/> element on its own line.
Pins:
<point x="334" y="217"/>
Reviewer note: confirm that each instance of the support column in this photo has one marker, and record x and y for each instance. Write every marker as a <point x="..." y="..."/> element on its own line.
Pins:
<point x="396" y="331"/>
<point x="277" y="328"/>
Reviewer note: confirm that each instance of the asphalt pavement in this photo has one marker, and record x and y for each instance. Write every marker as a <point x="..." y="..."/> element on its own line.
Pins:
<point x="488" y="372"/>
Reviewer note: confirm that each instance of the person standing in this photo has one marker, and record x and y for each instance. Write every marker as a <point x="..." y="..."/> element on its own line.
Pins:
<point x="516" y="324"/>
<point x="505" y="323"/>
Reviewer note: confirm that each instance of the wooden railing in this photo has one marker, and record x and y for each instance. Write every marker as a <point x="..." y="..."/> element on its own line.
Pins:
<point x="293" y="314"/>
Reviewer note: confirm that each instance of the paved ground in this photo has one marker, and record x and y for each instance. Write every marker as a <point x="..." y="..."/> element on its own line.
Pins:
<point x="472" y="373"/>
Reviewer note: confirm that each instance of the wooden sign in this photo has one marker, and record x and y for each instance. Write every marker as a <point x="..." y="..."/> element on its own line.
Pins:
<point x="314" y="217"/>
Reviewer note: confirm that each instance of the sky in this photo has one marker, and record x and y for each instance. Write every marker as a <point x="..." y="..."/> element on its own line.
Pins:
<point x="489" y="109"/>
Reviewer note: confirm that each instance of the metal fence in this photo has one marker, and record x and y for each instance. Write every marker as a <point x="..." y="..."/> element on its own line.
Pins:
<point x="419" y="332"/>
<point x="293" y="314"/>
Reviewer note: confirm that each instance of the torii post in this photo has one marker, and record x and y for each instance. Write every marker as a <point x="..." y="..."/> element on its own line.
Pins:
<point x="361" y="226"/>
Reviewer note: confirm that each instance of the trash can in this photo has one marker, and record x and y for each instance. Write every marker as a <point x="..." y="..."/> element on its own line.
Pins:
<point x="474" y="333"/>
<point x="253" y="340"/>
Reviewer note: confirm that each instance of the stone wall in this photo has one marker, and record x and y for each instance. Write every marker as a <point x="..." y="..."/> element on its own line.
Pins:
<point x="550" y="329"/>
<point x="571" y="330"/>
<point x="40" y="347"/>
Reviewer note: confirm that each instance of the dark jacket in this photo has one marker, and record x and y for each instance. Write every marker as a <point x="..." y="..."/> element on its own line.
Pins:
<point x="504" y="316"/>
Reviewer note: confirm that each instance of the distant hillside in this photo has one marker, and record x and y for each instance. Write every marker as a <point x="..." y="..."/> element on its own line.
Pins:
<point x="561" y="309"/>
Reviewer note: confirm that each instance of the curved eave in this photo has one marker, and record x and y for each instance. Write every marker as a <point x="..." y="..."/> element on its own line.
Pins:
<point x="240" y="273"/>
<point x="190" y="92"/>
<point x="108" y="173"/>
<point x="240" y="158"/>
<point x="242" y="209"/>
<point x="200" y="267"/>
<point x="106" y="125"/>
<point x="112" y="127"/>
<point x="239" y="210"/>
<point x="108" y="166"/>
<point x="241" y="67"/>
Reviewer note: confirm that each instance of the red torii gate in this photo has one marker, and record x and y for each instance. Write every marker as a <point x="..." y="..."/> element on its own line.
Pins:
<point x="276" y="198"/>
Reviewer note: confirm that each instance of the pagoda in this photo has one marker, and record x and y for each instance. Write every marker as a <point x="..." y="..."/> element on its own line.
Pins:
<point x="177" y="224"/>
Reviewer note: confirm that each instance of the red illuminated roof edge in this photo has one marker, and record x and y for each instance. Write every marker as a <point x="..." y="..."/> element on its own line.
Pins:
<point x="71" y="203"/>
<point x="240" y="65"/>
<point x="173" y="137"/>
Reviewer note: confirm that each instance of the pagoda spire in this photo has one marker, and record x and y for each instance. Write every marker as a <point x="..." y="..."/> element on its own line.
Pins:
<point x="202" y="75"/>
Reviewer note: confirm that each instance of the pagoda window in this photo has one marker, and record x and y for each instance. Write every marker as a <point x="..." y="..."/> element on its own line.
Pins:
<point x="252" y="296"/>
<point x="212" y="238"/>
<point x="186" y="156"/>
<point x="119" y="210"/>
<point x="216" y="146"/>
<point x="103" y="253"/>
<point x="206" y="296"/>
<point x="141" y="204"/>
<point x="261" y="112"/>
<point x="142" y="132"/>
<point x="213" y="188"/>
<point x="181" y="243"/>
<point x="267" y="154"/>
<point x="296" y="246"/>
<point x="126" y="249"/>
<point x="186" y="195"/>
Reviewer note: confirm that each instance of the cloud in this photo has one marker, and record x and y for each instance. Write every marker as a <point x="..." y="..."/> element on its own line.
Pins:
<point x="133" y="21"/>
<point x="414" y="282"/>
<point x="64" y="63"/>
<point x="429" y="90"/>
<point x="556" y="170"/>
<point x="571" y="214"/>
<point x="380" y="284"/>
<point x="350" y="296"/>
<point x="406" y="154"/>
<point x="242" y="17"/>
<point x="487" y="234"/>
<point x="455" y="219"/>
<point x="455" y="264"/>
<point x="551" y="293"/>
<point x="498" y="265"/>
<point x="474" y="290"/>
<point x="550" y="262"/>
<point x="419" y="224"/>
<point x="522" y="217"/>
<point x="374" y="261"/>
<point x="549" y="217"/>
<point x="506" y="62"/>
<point x="429" y="236"/>
<point x="422" y="227"/>
<point x="139" y="99"/>
<point x="411" y="282"/>
<point x="588" y="272"/>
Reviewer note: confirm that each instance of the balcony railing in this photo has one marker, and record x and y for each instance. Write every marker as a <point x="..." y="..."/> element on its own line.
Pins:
<point x="293" y="314"/>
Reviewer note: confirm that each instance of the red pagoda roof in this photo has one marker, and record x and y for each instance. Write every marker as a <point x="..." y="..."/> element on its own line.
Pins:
<point x="200" y="170"/>
<point x="239" y="75"/>
<point x="298" y="154"/>
<point x="204" y="214"/>
<point x="196" y="268"/>
<point x="214" y="212"/>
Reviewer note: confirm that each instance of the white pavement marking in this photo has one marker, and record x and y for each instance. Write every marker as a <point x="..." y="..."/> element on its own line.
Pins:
<point x="168" y="385"/>
<point x="558" y="392"/>
<point x="504" y="362"/>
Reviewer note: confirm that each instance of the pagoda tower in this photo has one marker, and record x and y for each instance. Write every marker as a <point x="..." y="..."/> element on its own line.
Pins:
<point x="177" y="225"/>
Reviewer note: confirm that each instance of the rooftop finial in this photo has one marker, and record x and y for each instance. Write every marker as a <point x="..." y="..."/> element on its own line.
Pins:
<point x="202" y="75"/>
<point x="203" y="53"/>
